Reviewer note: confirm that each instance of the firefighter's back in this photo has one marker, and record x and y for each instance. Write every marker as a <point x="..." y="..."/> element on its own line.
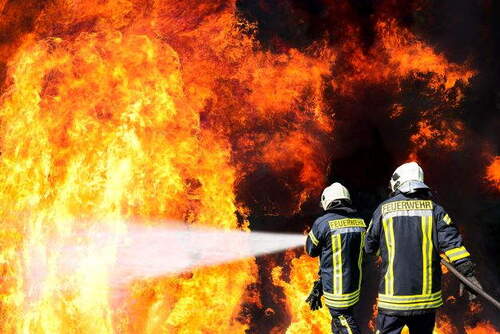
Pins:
<point x="337" y="238"/>
<point x="411" y="275"/>
<point x="408" y="231"/>
<point x="342" y="233"/>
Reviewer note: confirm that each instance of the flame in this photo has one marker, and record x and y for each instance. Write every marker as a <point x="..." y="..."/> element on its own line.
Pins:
<point x="444" y="326"/>
<point x="447" y="134"/>
<point x="410" y="56"/>
<point x="303" y="274"/>
<point x="493" y="172"/>
<point x="98" y="129"/>
<point x="481" y="328"/>
<point x="104" y="120"/>
<point x="399" y="54"/>
<point x="130" y="110"/>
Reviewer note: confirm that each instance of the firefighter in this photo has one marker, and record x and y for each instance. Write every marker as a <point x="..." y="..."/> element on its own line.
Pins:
<point x="337" y="237"/>
<point x="409" y="231"/>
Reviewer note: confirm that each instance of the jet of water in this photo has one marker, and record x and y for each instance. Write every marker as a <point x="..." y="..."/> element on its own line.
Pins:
<point x="159" y="251"/>
<point x="143" y="252"/>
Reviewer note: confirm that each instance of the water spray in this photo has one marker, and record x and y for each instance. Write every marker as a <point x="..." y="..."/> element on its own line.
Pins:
<point x="143" y="252"/>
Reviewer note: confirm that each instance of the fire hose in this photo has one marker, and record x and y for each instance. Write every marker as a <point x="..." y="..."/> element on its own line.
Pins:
<point x="477" y="290"/>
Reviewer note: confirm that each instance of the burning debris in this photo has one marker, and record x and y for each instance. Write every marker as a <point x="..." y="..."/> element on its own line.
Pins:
<point x="231" y="115"/>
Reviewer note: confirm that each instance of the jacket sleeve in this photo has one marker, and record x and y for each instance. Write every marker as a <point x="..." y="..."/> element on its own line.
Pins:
<point x="314" y="240"/>
<point x="372" y="242"/>
<point x="449" y="240"/>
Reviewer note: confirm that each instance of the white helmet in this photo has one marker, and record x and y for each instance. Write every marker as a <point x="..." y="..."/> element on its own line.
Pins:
<point x="333" y="193"/>
<point x="410" y="171"/>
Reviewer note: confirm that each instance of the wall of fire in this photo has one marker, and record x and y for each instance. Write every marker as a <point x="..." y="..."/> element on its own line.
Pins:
<point x="235" y="114"/>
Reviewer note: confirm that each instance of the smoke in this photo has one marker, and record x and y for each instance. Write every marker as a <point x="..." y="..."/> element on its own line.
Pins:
<point x="143" y="252"/>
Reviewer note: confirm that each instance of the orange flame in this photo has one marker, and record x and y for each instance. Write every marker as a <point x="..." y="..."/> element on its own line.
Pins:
<point x="493" y="172"/>
<point x="448" y="135"/>
<point x="98" y="129"/>
<point x="304" y="273"/>
<point x="481" y="328"/>
<point x="105" y="119"/>
<point x="131" y="110"/>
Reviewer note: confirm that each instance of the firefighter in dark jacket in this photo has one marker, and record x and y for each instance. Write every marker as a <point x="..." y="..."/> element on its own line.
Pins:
<point x="409" y="231"/>
<point x="337" y="238"/>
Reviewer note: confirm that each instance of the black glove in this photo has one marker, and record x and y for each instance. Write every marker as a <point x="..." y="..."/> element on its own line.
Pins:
<point x="314" y="299"/>
<point x="466" y="268"/>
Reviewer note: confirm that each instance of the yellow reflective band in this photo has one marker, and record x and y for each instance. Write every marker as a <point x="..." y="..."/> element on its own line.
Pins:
<point x="410" y="302"/>
<point x="411" y="306"/>
<point x="344" y="322"/>
<point x="337" y="263"/>
<point x="360" y="258"/>
<point x="459" y="256"/>
<point x="411" y="298"/>
<point x="313" y="238"/>
<point x="389" y="240"/>
<point x="346" y="222"/>
<point x="427" y="248"/>
<point x="454" y="250"/>
<point x="447" y="219"/>
<point x="406" y="303"/>
<point x="341" y="297"/>
<point x="341" y="304"/>
<point x="424" y="255"/>
<point x="457" y="253"/>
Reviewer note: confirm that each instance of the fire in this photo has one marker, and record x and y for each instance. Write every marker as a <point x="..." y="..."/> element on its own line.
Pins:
<point x="98" y="129"/>
<point x="149" y="110"/>
<point x="399" y="54"/>
<point x="447" y="135"/>
<point x="493" y="172"/>
<point x="304" y="273"/>
<point x="481" y="328"/>
<point x="444" y="326"/>
<point x="104" y="121"/>
<point x="410" y="56"/>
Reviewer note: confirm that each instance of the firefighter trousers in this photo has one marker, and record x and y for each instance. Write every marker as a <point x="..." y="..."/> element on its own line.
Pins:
<point x="417" y="324"/>
<point x="343" y="321"/>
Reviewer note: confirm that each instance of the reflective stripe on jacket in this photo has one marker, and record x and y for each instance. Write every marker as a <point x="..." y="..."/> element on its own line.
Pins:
<point x="338" y="239"/>
<point x="405" y="230"/>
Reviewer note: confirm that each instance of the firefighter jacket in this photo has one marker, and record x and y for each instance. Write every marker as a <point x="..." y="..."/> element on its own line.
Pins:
<point x="338" y="239"/>
<point x="409" y="231"/>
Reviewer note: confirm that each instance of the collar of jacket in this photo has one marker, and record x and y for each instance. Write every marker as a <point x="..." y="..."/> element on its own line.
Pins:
<point x="422" y="193"/>
<point x="341" y="209"/>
